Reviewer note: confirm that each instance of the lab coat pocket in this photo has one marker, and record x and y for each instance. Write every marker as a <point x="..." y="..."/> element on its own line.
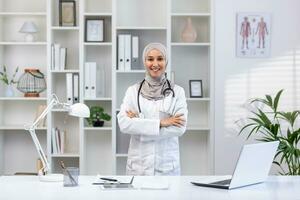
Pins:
<point x="165" y="168"/>
<point x="132" y="166"/>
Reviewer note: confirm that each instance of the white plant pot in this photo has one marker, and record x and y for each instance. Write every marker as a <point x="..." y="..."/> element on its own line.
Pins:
<point x="9" y="91"/>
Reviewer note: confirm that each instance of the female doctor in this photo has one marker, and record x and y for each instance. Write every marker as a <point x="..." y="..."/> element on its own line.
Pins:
<point x="154" y="112"/>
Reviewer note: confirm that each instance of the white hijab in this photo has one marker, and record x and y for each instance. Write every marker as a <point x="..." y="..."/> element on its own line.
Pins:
<point x="152" y="89"/>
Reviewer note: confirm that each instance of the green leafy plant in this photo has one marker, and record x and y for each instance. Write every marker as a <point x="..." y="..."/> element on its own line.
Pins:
<point x="97" y="114"/>
<point x="274" y="125"/>
<point x="4" y="76"/>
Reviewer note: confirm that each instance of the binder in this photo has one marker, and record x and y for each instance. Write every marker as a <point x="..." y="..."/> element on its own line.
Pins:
<point x="127" y="52"/>
<point x="62" y="141"/>
<point x="63" y="55"/>
<point x="93" y="79"/>
<point x="52" y="57"/>
<point x="53" y="141"/>
<point x="69" y="87"/>
<point x="172" y="77"/>
<point x="100" y="81"/>
<point x="135" y="53"/>
<point x="57" y="135"/>
<point x="101" y="34"/>
<point x="56" y="56"/>
<point x="75" y="88"/>
<point x="121" y="52"/>
<point x="87" y="83"/>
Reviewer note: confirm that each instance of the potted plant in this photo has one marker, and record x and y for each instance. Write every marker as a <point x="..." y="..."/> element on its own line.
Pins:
<point x="270" y="124"/>
<point x="97" y="116"/>
<point x="9" y="92"/>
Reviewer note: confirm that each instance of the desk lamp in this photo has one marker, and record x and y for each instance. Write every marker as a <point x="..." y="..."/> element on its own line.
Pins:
<point x="29" y="28"/>
<point x="77" y="110"/>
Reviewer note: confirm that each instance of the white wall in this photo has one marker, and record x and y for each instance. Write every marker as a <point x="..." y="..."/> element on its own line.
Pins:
<point x="238" y="79"/>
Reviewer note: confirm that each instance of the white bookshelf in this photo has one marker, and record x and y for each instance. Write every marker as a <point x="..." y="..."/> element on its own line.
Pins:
<point x="65" y="71"/>
<point x="60" y="28"/>
<point x="97" y="44"/>
<point x="98" y="99"/>
<point x="104" y="149"/>
<point x="15" y="141"/>
<point x="141" y="28"/>
<point x="195" y="128"/>
<point x="19" y="127"/>
<point x="23" y="13"/>
<point x="23" y="98"/>
<point x="70" y="155"/>
<point x="204" y="44"/>
<point x="97" y="128"/>
<point x="23" y="43"/>
<point x="191" y="14"/>
<point x="198" y="99"/>
<point x="95" y="14"/>
<point x="120" y="155"/>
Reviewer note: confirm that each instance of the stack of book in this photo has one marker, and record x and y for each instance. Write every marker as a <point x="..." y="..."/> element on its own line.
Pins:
<point x="58" y="57"/>
<point x="58" y="139"/>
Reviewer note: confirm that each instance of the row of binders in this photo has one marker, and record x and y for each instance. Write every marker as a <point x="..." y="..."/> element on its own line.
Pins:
<point x="94" y="80"/>
<point x="58" y="139"/>
<point x="128" y="52"/>
<point x="72" y="88"/>
<point x="58" y="57"/>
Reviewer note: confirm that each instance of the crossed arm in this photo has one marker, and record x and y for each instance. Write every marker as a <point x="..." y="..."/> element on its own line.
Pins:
<point x="176" y="120"/>
<point x="153" y="129"/>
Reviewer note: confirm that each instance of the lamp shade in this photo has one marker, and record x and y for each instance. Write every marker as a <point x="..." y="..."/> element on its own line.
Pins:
<point x="28" y="27"/>
<point x="79" y="110"/>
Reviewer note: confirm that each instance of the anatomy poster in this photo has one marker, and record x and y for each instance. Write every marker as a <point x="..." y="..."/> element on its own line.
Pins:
<point x="253" y="34"/>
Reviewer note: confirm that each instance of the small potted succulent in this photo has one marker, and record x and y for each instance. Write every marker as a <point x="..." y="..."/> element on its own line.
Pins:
<point x="97" y="116"/>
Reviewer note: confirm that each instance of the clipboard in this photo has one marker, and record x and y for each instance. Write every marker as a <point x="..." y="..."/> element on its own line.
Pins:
<point x="118" y="186"/>
<point x="120" y="183"/>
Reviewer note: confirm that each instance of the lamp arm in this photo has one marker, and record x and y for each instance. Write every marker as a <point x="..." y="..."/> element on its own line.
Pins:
<point x="46" y="165"/>
<point x="52" y="103"/>
<point x="31" y="129"/>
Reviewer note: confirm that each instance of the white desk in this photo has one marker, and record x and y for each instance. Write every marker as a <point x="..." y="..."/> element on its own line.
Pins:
<point x="29" y="187"/>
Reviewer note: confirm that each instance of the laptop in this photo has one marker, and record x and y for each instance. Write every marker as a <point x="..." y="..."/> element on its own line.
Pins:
<point x="252" y="167"/>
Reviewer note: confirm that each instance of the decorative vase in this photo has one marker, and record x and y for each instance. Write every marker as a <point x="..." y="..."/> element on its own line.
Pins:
<point x="9" y="91"/>
<point x="189" y="33"/>
<point x="98" y="123"/>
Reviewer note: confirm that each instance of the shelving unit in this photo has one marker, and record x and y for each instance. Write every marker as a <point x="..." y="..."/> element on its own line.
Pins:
<point x="103" y="150"/>
<point x="23" y="43"/>
<point x="18" y="111"/>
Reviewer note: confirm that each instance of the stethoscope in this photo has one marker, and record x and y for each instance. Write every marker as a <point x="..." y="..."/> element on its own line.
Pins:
<point x="164" y="92"/>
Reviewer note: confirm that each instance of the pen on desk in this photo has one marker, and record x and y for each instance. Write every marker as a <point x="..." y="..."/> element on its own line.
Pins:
<point x="109" y="179"/>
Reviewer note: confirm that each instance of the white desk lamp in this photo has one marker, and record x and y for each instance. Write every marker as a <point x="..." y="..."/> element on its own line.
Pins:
<point x="77" y="110"/>
<point x="29" y="28"/>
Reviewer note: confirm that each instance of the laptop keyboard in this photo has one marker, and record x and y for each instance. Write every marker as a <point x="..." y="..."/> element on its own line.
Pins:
<point x="224" y="182"/>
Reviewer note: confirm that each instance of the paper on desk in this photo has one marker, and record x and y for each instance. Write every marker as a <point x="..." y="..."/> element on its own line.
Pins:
<point x="153" y="183"/>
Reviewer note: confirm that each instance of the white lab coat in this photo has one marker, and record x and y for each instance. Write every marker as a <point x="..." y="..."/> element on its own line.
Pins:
<point x="152" y="150"/>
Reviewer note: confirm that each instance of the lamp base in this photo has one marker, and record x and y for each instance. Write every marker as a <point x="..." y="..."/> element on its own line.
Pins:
<point x="29" y="37"/>
<point x="31" y="94"/>
<point x="51" y="178"/>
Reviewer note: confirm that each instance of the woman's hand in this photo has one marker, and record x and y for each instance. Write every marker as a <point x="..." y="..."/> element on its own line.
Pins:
<point x="131" y="114"/>
<point x="176" y="120"/>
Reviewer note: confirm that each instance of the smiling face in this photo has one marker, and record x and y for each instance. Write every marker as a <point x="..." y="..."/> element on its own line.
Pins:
<point x="155" y="63"/>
